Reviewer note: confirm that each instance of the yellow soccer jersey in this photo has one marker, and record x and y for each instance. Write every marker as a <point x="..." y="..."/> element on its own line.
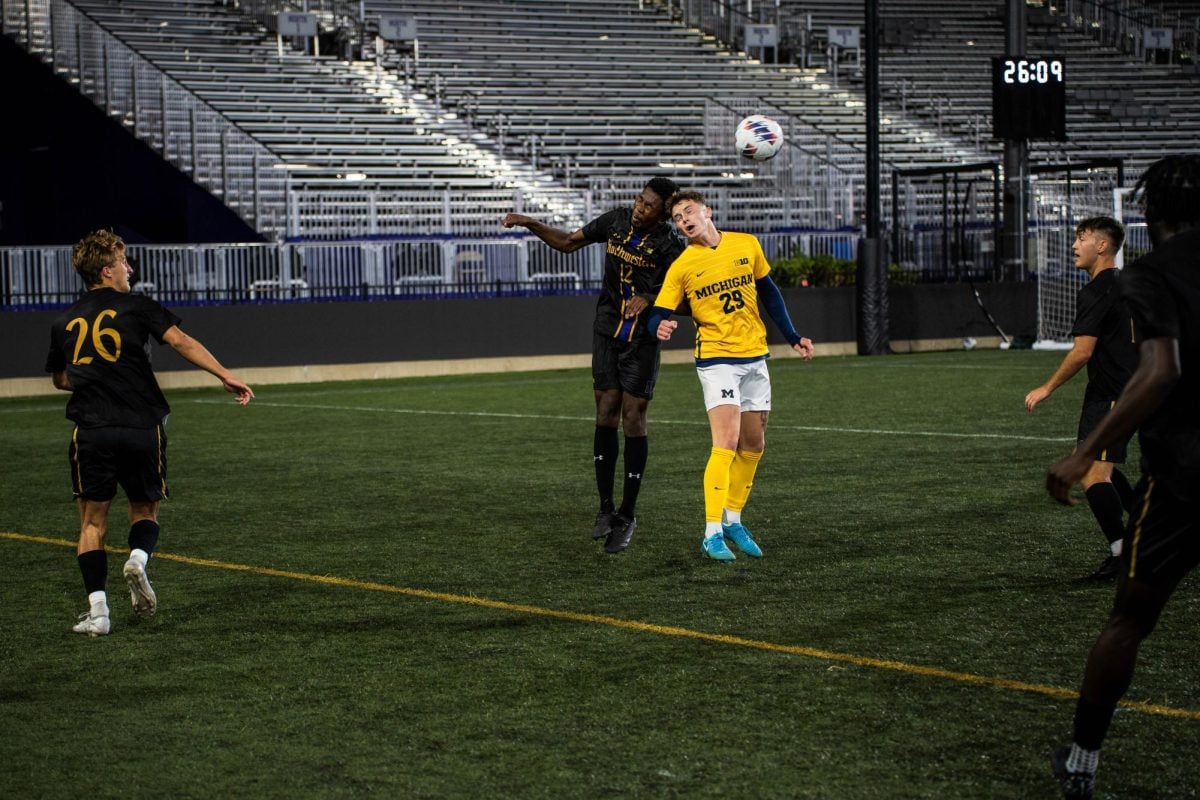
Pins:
<point x="718" y="282"/>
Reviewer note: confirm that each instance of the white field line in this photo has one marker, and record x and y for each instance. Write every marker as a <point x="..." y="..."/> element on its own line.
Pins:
<point x="657" y="421"/>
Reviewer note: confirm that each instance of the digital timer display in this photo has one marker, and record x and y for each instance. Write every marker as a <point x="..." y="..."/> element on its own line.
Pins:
<point x="1029" y="98"/>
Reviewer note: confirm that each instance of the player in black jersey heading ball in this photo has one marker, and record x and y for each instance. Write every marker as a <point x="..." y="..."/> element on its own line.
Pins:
<point x="1162" y="403"/>
<point x="625" y="356"/>
<point x="98" y="353"/>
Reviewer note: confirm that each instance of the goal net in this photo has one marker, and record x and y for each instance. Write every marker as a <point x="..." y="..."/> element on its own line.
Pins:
<point x="1060" y="202"/>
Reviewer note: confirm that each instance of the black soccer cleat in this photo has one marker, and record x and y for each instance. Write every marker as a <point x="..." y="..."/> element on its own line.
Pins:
<point x="1075" y="785"/>
<point x="604" y="523"/>
<point x="1108" y="570"/>
<point x="621" y="533"/>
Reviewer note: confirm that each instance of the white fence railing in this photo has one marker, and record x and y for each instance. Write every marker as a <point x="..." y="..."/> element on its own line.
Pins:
<point x="375" y="269"/>
<point x="345" y="213"/>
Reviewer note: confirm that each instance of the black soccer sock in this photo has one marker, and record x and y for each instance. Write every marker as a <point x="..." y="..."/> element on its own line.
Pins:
<point x="604" y="452"/>
<point x="1106" y="507"/>
<point x="94" y="566"/>
<point x="1091" y="724"/>
<point x="143" y="535"/>
<point x="1121" y="484"/>
<point x="636" y="450"/>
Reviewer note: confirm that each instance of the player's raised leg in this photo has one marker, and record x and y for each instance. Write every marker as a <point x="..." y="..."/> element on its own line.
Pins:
<point x="143" y="536"/>
<point x="605" y="449"/>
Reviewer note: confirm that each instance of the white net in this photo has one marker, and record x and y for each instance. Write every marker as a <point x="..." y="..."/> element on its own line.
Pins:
<point x="1059" y="203"/>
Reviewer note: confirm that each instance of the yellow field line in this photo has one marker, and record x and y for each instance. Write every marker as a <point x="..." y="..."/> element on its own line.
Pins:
<point x="644" y="627"/>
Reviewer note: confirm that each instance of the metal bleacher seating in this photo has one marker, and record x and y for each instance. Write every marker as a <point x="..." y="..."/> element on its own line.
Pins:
<point x="568" y="104"/>
<point x="936" y="61"/>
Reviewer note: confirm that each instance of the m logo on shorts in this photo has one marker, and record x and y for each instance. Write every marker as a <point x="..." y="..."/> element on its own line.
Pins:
<point x="726" y="393"/>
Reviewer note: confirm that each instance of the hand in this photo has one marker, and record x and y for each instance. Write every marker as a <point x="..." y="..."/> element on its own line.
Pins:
<point x="636" y="305"/>
<point x="805" y="348"/>
<point x="665" y="329"/>
<point x="1036" y="396"/>
<point x="511" y="220"/>
<point x="241" y="392"/>
<point x="1064" y="474"/>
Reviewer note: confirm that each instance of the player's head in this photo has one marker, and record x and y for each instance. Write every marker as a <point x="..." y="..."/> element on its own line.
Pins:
<point x="650" y="207"/>
<point x="99" y="256"/>
<point x="690" y="213"/>
<point x="1097" y="240"/>
<point x="1169" y="192"/>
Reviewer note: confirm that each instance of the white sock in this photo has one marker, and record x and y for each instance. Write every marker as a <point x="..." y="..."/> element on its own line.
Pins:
<point x="139" y="557"/>
<point x="1082" y="760"/>
<point x="1116" y="547"/>
<point x="99" y="604"/>
<point x="732" y="517"/>
<point x="712" y="529"/>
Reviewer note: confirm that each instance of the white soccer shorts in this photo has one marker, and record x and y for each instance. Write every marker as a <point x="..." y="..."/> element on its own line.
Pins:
<point x="747" y="386"/>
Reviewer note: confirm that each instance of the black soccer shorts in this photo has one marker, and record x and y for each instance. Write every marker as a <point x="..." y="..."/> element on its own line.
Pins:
<point x="135" y="458"/>
<point x="629" y="366"/>
<point x="1162" y="540"/>
<point x="1094" y="411"/>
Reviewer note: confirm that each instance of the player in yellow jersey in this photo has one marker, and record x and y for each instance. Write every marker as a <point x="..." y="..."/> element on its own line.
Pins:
<point x="723" y="276"/>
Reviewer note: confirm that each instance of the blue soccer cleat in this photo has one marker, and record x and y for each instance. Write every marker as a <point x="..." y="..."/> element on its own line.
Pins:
<point x="714" y="547"/>
<point x="742" y="538"/>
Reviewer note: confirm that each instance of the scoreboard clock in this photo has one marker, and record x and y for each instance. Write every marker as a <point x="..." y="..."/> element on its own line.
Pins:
<point x="1029" y="98"/>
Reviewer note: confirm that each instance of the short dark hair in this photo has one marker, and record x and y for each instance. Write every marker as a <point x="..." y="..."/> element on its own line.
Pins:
<point x="1169" y="190"/>
<point x="1112" y="230"/>
<point x="680" y="196"/>
<point x="663" y="187"/>
<point x="94" y="252"/>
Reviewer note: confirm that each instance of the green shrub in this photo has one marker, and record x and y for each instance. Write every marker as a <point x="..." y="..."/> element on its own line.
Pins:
<point x="824" y="270"/>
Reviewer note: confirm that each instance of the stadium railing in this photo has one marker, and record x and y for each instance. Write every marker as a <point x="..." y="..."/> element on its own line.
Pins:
<point x="372" y="269"/>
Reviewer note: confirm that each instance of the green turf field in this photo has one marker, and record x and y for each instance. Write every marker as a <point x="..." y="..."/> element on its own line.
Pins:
<point x="389" y="589"/>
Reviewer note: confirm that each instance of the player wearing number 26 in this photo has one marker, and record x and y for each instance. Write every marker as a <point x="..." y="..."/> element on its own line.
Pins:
<point x="723" y="276"/>
<point x="98" y="353"/>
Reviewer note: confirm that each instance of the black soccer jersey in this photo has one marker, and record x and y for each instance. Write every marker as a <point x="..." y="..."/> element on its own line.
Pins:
<point x="101" y="342"/>
<point x="634" y="263"/>
<point x="1101" y="312"/>
<point x="1162" y="289"/>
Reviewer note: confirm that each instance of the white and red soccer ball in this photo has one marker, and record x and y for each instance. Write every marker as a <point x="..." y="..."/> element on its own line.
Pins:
<point x="758" y="137"/>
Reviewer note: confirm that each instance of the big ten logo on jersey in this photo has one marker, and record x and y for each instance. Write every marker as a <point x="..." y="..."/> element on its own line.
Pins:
<point x="741" y="262"/>
<point x="106" y="342"/>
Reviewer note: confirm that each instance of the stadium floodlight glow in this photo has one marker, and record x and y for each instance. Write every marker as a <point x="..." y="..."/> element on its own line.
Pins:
<point x="673" y="165"/>
<point x="287" y="165"/>
<point x="356" y="176"/>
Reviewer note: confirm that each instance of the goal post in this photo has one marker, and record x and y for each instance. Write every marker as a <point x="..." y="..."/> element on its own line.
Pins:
<point x="1061" y="198"/>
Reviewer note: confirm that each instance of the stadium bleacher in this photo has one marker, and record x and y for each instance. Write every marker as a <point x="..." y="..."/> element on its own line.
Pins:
<point x="561" y="107"/>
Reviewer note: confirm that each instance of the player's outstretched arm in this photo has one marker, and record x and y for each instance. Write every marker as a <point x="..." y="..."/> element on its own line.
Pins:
<point x="1075" y="359"/>
<point x="560" y="240"/>
<point x="772" y="301"/>
<point x="1158" y="369"/>
<point x="198" y="355"/>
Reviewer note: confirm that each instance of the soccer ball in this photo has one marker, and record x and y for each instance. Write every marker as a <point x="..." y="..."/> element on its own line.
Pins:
<point x="758" y="137"/>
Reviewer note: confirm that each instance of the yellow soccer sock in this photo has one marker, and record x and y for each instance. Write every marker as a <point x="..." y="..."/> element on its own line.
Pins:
<point x="716" y="483"/>
<point x="741" y="478"/>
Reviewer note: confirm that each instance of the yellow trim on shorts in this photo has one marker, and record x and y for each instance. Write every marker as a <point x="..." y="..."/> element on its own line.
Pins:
<point x="75" y="460"/>
<point x="1137" y="528"/>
